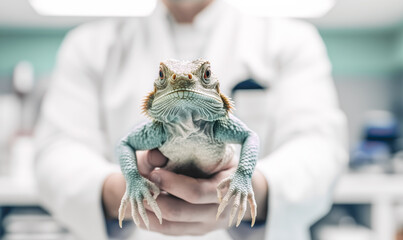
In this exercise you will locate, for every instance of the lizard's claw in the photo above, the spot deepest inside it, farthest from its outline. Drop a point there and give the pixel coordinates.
(239, 186)
(138, 190)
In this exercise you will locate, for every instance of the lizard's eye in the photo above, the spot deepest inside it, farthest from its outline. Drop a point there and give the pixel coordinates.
(161, 74)
(207, 75)
(161, 80)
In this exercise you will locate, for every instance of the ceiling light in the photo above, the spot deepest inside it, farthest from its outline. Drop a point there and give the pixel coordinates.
(284, 8)
(133, 8)
(93, 8)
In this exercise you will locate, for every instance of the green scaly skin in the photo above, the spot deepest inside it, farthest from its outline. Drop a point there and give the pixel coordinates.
(188, 109)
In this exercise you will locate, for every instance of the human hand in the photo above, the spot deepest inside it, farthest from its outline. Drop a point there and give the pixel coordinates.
(190, 205)
(115, 184)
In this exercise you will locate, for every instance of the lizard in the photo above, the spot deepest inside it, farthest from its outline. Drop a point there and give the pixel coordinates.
(191, 123)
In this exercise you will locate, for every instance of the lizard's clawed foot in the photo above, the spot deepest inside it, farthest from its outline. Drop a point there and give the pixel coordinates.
(137, 190)
(239, 186)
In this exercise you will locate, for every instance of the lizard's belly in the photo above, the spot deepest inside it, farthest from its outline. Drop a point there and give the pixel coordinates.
(197, 157)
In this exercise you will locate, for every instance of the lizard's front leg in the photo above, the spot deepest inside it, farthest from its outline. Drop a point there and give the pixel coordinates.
(138, 188)
(239, 184)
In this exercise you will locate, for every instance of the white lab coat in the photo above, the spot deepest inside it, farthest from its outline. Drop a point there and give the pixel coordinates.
(105, 68)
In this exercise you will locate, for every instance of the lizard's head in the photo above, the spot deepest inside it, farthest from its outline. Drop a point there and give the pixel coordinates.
(183, 88)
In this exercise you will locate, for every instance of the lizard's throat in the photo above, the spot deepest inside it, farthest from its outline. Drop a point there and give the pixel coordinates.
(187, 126)
(180, 110)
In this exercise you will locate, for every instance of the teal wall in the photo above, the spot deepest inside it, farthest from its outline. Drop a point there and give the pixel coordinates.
(352, 52)
(39, 46)
(361, 52)
(399, 48)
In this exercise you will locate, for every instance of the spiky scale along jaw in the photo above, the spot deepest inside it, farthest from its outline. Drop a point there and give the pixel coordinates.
(193, 127)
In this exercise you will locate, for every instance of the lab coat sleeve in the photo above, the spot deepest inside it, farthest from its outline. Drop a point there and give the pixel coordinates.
(70, 164)
(308, 147)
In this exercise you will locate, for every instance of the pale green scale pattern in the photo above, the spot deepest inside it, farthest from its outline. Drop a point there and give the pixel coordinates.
(143, 137)
(232, 130)
(146, 136)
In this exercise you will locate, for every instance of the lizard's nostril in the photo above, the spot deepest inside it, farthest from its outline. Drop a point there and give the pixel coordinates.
(190, 76)
(174, 76)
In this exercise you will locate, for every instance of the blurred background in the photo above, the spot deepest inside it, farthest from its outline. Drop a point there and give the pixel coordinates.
(364, 39)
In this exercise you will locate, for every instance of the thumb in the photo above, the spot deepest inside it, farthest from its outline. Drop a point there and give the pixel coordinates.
(149, 160)
(156, 159)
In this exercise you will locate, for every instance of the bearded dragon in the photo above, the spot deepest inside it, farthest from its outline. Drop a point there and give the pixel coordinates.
(191, 124)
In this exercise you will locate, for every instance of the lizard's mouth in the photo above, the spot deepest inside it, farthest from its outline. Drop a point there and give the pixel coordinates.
(185, 93)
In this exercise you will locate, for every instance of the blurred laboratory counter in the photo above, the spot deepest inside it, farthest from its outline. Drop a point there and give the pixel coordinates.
(369, 188)
(17, 187)
(15, 194)
(383, 192)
